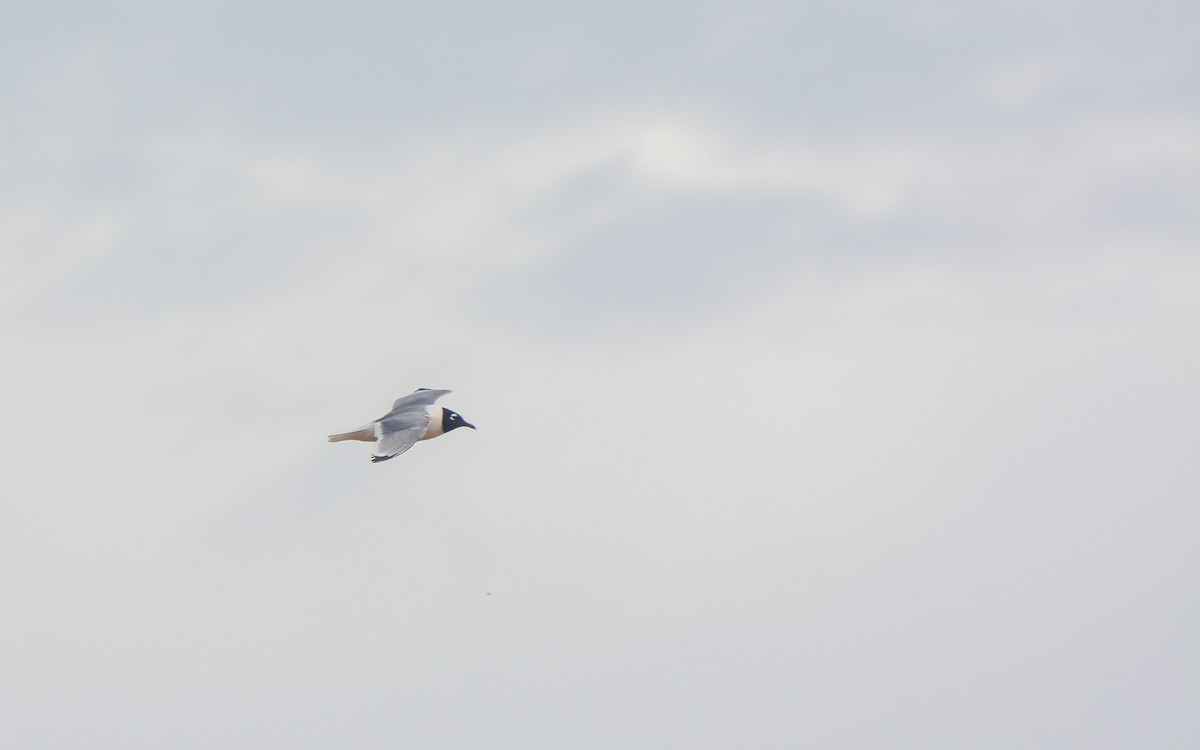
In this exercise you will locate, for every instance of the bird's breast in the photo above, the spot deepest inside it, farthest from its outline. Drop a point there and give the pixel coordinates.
(435, 425)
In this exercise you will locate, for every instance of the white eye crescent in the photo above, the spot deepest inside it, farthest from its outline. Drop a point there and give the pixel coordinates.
(453, 416)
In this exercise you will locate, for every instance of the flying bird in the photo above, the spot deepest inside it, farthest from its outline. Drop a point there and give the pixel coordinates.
(412, 418)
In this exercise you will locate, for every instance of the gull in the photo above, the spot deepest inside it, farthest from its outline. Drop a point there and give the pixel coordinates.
(412, 418)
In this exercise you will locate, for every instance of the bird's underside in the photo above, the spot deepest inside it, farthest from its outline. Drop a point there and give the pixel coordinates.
(365, 434)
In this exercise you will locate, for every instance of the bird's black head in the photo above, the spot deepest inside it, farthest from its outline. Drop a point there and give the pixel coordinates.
(453, 420)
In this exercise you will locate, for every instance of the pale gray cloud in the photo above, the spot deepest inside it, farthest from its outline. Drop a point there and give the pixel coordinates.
(833, 365)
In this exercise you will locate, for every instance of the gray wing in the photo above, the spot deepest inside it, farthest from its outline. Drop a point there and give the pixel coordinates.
(423, 397)
(396, 434)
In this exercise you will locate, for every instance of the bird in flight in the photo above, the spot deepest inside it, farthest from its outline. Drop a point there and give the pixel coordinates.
(412, 418)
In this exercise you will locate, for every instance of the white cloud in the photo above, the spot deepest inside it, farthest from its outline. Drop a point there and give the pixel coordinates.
(869, 182)
(1024, 82)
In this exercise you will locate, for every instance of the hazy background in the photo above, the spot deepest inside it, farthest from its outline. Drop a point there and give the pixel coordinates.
(836, 369)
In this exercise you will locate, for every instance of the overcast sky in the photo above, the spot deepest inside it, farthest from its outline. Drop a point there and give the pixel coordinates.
(836, 369)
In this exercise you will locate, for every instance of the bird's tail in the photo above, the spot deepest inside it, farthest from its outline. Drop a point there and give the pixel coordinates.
(366, 434)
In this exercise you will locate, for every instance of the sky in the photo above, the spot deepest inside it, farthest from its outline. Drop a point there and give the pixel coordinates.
(835, 367)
